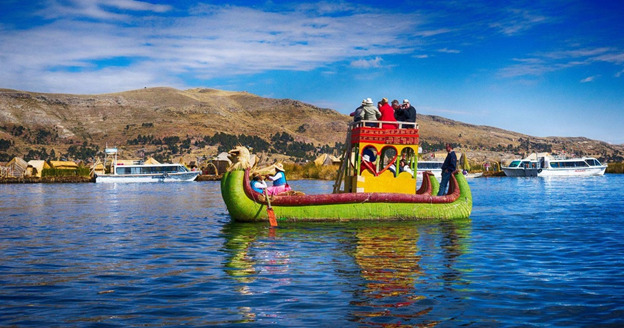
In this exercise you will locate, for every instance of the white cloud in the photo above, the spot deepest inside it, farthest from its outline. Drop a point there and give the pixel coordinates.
(135, 5)
(449, 51)
(515, 21)
(367, 63)
(214, 41)
(588, 79)
(614, 57)
(98, 9)
(542, 63)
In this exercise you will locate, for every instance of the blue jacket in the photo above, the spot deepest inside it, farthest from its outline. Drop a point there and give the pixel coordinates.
(280, 179)
(258, 186)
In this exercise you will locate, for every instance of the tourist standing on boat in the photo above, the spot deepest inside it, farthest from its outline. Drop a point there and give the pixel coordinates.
(387, 114)
(398, 113)
(404, 113)
(279, 181)
(448, 167)
(258, 184)
(370, 112)
(357, 114)
(410, 112)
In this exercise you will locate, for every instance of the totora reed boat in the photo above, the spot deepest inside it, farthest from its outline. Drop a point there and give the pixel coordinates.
(368, 187)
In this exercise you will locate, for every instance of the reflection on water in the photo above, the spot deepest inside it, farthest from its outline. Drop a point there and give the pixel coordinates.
(395, 264)
(389, 262)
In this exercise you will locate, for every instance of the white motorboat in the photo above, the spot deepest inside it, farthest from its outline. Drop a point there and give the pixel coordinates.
(544, 165)
(138, 171)
(521, 168)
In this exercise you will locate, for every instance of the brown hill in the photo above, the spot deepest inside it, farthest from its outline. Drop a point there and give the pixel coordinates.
(30, 120)
(162, 112)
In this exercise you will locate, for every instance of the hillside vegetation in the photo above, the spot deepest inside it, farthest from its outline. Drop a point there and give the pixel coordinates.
(198, 123)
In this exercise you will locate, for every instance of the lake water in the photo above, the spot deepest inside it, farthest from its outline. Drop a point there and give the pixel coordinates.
(535, 253)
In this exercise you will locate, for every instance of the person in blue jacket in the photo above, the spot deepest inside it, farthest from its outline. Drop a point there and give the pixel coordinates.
(258, 184)
(280, 184)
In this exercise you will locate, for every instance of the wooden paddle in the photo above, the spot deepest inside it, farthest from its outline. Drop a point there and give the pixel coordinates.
(270, 212)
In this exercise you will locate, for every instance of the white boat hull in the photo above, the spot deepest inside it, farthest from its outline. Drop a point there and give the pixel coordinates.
(159, 177)
(573, 171)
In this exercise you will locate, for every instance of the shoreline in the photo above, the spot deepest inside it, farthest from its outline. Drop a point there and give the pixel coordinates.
(68, 179)
(80, 179)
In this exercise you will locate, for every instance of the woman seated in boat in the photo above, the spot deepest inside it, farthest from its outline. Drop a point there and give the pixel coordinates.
(280, 184)
(403, 167)
(257, 183)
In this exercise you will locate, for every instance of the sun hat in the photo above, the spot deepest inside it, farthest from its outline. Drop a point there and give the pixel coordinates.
(279, 166)
(369, 101)
(405, 101)
(363, 101)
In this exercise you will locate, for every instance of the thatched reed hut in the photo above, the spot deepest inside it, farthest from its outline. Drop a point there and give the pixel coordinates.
(37, 167)
(16, 168)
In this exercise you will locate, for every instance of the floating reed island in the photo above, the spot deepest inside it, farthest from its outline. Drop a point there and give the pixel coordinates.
(60, 179)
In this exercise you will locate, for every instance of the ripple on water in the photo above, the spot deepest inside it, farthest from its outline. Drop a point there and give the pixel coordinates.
(536, 252)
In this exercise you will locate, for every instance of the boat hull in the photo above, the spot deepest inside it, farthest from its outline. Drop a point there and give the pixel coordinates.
(248, 207)
(520, 172)
(573, 171)
(554, 172)
(160, 177)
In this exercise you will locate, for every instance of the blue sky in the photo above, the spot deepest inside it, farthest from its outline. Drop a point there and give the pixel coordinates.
(544, 68)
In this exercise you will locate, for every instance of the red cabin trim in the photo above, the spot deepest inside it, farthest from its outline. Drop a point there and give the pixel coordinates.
(384, 136)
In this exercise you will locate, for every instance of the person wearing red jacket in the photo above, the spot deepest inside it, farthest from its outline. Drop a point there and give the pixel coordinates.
(387, 114)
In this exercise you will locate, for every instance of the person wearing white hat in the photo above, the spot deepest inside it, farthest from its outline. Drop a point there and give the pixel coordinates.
(279, 181)
(370, 112)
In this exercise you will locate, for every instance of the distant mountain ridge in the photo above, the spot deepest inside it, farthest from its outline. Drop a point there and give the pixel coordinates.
(31, 120)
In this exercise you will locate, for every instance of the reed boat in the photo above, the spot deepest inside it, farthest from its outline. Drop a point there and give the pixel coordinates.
(368, 187)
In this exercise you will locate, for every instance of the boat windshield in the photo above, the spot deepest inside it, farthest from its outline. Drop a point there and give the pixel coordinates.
(593, 162)
(514, 164)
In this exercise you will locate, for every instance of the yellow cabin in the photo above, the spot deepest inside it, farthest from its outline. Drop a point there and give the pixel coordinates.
(380, 159)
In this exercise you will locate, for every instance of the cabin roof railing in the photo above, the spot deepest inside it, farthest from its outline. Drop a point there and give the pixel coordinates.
(378, 124)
